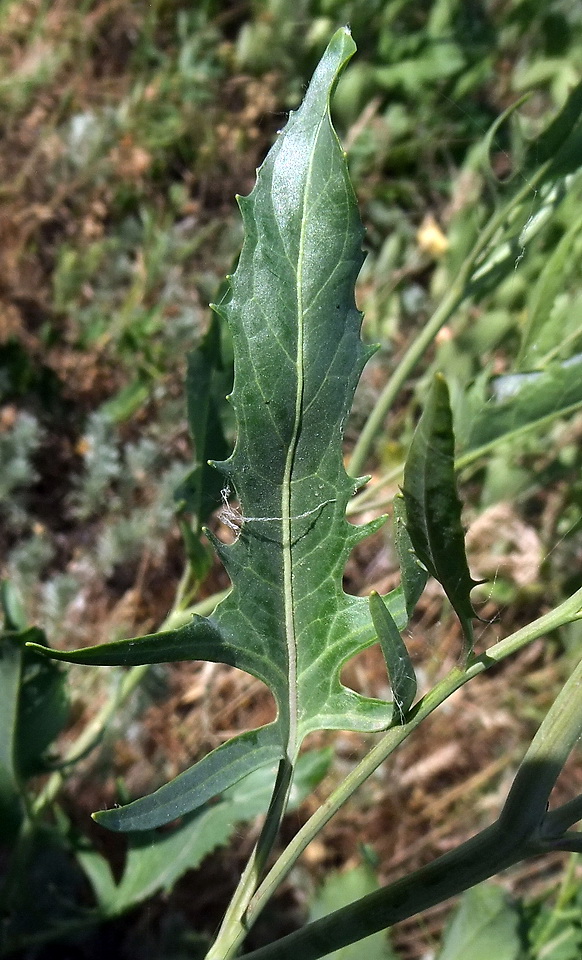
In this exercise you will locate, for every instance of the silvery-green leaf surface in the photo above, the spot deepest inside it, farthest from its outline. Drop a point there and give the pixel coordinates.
(298, 358)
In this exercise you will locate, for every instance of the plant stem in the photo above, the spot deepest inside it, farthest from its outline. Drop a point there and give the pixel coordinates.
(566, 612)
(459, 291)
(519, 832)
(233, 928)
(474, 861)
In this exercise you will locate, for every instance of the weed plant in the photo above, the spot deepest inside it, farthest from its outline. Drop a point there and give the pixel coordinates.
(505, 261)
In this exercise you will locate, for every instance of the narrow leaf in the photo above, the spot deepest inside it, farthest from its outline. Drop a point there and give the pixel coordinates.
(542, 334)
(433, 508)
(518, 402)
(11, 655)
(400, 668)
(207, 384)
(155, 861)
(413, 575)
(218, 770)
(560, 144)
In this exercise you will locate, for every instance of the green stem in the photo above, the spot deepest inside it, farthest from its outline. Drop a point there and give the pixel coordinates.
(474, 861)
(459, 291)
(233, 928)
(566, 612)
(518, 833)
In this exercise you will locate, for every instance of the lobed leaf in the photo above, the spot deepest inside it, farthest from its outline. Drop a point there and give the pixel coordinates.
(433, 508)
(298, 358)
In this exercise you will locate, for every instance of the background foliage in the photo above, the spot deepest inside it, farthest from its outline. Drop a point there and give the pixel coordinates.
(127, 127)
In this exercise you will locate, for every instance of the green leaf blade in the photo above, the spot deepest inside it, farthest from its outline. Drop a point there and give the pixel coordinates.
(298, 357)
(216, 772)
(400, 668)
(433, 508)
(485, 924)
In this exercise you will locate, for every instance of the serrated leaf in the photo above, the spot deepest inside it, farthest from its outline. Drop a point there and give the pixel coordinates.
(433, 508)
(155, 861)
(400, 668)
(484, 926)
(518, 402)
(298, 358)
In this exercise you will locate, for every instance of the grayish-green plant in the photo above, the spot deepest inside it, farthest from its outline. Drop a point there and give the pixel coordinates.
(287, 620)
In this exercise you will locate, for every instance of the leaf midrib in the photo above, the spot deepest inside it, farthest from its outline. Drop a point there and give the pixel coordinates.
(290, 627)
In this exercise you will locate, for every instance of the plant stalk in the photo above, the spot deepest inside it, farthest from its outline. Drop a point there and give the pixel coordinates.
(459, 291)
(517, 834)
(566, 612)
(233, 928)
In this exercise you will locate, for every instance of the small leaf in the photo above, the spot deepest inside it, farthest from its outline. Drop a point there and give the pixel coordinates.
(339, 889)
(191, 789)
(11, 808)
(207, 384)
(559, 146)
(520, 401)
(400, 669)
(43, 710)
(542, 334)
(12, 607)
(155, 861)
(433, 508)
(413, 575)
(485, 926)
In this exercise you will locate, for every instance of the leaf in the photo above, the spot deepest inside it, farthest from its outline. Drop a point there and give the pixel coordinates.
(484, 926)
(11, 809)
(224, 766)
(519, 402)
(400, 668)
(43, 711)
(298, 358)
(433, 508)
(339, 889)
(155, 861)
(33, 710)
(413, 575)
(542, 334)
(560, 144)
(207, 384)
